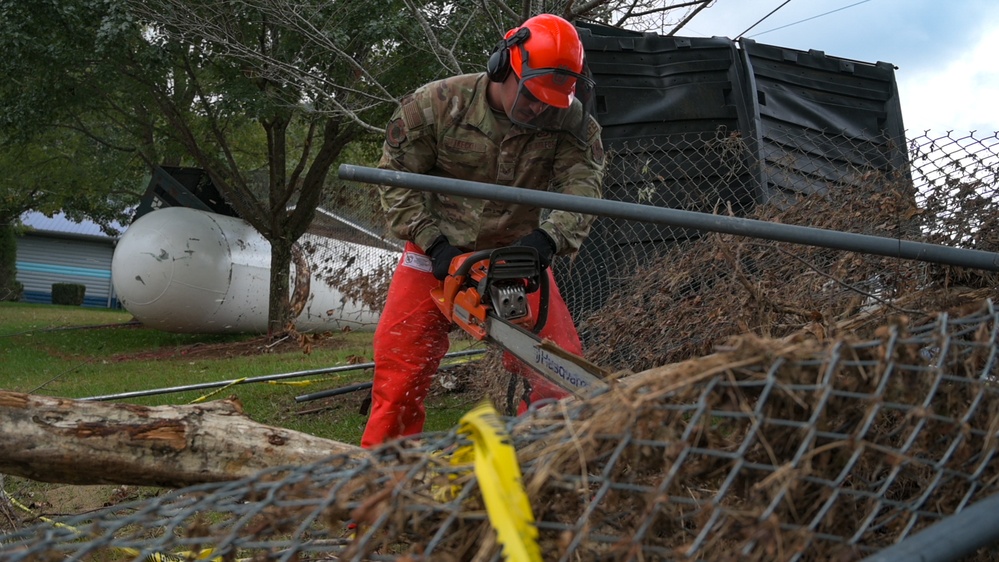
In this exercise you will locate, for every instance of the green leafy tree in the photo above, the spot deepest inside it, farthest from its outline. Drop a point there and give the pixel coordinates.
(125, 78)
(73, 137)
(264, 95)
(264, 71)
(59, 170)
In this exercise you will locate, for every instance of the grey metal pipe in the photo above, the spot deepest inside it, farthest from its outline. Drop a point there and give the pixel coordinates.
(264, 378)
(950, 539)
(848, 241)
(335, 391)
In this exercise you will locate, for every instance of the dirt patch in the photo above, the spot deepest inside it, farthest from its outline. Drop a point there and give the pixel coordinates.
(79, 499)
(37, 501)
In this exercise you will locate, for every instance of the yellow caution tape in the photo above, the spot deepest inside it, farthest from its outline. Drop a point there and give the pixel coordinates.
(499, 477)
(205, 397)
(222, 389)
(178, 557)
(451, 361)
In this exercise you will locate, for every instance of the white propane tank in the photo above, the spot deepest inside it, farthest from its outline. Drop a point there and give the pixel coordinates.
(188, 271)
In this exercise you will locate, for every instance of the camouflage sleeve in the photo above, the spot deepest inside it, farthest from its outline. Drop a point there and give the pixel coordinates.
(579, 170)
(409, 147)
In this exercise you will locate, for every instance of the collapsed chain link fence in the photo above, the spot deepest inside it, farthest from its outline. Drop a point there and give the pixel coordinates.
(767, 450)
(774, 401)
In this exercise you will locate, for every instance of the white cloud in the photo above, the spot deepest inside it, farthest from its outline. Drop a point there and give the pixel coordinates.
(961, 96)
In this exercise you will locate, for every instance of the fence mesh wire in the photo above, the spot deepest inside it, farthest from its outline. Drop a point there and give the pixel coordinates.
(944, 194)
(767, 450)
(775, 402)
(681, 294)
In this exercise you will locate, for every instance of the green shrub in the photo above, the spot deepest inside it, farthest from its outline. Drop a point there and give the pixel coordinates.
(68, 293)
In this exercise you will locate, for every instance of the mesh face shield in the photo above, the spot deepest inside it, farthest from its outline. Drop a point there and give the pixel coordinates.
(553, 99)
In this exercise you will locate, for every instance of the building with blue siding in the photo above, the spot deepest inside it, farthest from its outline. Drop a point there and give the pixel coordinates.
(59, 250)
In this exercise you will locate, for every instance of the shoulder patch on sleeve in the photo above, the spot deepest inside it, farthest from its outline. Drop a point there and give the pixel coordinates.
(597, 149)
(395, 135)
(592, 127)
(411, 113)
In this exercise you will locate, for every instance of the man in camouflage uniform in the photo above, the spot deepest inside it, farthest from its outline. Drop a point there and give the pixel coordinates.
(525, 123)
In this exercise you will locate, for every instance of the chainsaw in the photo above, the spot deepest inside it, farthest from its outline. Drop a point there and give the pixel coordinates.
(485, 294)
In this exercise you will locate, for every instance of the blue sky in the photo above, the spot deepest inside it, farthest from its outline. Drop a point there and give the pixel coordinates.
(946, 51)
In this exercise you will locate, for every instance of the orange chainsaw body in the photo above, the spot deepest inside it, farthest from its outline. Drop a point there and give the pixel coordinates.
(485, 293)
(463, 301)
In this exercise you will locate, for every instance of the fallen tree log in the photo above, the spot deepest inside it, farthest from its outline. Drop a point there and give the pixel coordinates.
(67, 441)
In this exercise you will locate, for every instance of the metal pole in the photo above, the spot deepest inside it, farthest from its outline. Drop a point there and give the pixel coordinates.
(848, 241)
(950, 539)
(366, 385)
(334, 392)
(265, 378)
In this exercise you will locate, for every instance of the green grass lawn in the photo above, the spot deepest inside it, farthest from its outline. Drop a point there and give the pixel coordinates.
(76, 352)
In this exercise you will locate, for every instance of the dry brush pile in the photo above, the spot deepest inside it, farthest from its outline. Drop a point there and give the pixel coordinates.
(775, 402)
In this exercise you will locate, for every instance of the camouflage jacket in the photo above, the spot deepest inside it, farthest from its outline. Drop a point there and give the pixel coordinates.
(446, 128)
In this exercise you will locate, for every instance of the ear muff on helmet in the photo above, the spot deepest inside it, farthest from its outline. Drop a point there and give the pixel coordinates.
(498, 66)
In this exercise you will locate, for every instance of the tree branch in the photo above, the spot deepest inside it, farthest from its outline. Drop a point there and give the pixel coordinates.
(451, 63)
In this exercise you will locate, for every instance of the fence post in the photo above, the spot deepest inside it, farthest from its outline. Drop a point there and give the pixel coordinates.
(950, 539)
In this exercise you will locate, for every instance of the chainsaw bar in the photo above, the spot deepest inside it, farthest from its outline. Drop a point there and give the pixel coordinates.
(567, 370)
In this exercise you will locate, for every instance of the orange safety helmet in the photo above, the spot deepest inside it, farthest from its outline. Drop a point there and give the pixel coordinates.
(550, 54)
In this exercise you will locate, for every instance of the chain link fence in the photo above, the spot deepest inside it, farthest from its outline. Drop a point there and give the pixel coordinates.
(767, 450)
(717, 285)
(774, 401)
(945, 196)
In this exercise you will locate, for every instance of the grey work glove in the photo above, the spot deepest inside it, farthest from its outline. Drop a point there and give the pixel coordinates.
(441, 253)
(540, 241)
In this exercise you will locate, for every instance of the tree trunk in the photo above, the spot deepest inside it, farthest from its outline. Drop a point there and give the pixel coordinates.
(279, 304)
(81, 442)
(8, 262)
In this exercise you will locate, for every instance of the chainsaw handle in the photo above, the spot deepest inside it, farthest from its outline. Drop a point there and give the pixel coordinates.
(542, 303)
(470, 260)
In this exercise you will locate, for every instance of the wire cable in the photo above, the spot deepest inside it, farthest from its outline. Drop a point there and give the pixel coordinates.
(808, 19)
(759, 21)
